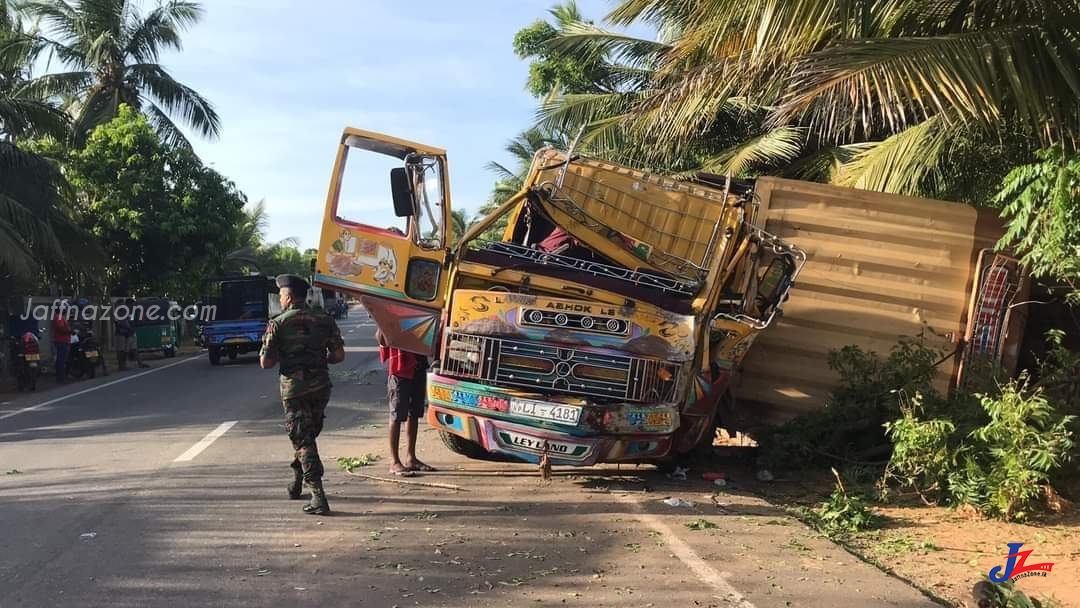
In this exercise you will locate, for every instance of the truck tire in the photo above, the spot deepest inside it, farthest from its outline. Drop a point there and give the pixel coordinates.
(460, 445)
(470, 449)
(215, 355)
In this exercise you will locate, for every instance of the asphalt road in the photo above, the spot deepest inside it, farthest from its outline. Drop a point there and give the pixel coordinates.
(166, 487)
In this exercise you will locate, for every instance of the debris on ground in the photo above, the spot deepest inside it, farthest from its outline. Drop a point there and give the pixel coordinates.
(678, 474)
(677, 502)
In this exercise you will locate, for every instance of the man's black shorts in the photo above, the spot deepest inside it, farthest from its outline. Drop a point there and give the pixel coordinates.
(407, 397)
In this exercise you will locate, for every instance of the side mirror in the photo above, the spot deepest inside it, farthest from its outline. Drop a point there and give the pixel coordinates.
(402, 191)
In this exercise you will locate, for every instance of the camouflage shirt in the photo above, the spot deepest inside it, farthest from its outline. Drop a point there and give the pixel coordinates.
(300, 338)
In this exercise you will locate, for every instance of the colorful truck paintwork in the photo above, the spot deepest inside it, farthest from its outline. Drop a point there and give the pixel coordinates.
(604, 326)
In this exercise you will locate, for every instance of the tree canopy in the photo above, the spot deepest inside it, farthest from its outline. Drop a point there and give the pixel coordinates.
(166, 220)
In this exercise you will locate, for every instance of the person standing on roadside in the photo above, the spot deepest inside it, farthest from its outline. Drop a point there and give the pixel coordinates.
(303, 341)
(61, 342)
(406, 390)
(127, 343)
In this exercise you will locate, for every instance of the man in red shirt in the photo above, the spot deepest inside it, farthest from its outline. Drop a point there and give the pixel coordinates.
(61, 341)
(407, 392)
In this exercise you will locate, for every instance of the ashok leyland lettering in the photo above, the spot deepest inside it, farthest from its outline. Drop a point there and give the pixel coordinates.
(604, 325)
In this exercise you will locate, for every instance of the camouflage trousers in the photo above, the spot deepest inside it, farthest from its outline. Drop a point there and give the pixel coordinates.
(303, 422)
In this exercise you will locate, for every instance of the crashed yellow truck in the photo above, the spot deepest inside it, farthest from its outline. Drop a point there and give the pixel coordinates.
(624, 316)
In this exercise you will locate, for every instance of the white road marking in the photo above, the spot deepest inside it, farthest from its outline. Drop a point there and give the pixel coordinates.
(361, 349)
(205, 442)
(94, 388)
(706, 573)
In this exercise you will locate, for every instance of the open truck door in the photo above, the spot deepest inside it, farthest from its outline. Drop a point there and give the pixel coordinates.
(398, 272)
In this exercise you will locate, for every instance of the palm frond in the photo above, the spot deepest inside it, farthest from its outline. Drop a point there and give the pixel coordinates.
(500, 170)
(30, 179)
(659, 12)
(568, 113)
(176, 98)
(15, 255)
(585, 39)
(166, 128)
(1025, 70)
(822, 164)
(160, 28)
(35, 230)
(769, 149)
(30, 117)
(48, 86)
(58, 15)
(902, 163)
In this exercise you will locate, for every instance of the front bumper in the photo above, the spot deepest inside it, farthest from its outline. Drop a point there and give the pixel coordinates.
(571, 432)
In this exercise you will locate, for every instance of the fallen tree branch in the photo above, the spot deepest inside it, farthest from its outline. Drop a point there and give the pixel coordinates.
(408, 482)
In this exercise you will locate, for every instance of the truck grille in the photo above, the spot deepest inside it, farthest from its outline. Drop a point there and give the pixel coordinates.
(554, 369)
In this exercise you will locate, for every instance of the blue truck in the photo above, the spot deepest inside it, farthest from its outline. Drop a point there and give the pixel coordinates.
(242, 309)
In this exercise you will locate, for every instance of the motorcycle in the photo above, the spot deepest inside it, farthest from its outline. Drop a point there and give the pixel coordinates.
(85, 356)
(26, 356)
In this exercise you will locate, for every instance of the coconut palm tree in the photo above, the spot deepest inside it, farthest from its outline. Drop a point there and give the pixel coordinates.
(111, 52)
(877, 94)
(37, 233)
(252, 250)
(627, 69)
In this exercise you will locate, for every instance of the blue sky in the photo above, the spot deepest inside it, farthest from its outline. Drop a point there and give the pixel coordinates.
(286, 80)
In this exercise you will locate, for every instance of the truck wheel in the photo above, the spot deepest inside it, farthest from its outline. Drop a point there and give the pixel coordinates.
(472, 449)
(215, 355)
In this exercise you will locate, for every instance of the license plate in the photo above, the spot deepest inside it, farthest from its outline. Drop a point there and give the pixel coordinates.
(236, 341)
(33, 357)
(552, 412)
(91, 353)
(33, 364)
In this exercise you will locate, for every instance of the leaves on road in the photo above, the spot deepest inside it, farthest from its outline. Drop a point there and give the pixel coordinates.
(350, 463)
(700, 524)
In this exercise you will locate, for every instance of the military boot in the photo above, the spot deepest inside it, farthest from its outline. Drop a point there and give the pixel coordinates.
(318, 504)
(298, 480)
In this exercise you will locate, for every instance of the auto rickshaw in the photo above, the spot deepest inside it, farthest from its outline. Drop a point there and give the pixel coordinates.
(155, 329)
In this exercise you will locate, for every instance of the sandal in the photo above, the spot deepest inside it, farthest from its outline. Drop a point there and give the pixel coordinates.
(423, 467)
(402, 472)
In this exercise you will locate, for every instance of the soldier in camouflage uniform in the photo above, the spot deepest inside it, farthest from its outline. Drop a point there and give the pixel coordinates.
(303, 341)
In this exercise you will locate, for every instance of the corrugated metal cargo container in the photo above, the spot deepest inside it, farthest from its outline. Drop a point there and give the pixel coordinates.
(879, 267)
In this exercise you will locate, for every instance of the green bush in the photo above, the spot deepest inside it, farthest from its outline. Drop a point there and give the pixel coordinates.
(1000, 467)
(850, 427)
(844, 515)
